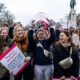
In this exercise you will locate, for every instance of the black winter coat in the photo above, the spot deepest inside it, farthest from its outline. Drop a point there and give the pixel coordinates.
(61, 53)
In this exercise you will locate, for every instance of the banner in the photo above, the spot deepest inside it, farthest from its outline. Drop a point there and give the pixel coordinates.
(14, 60)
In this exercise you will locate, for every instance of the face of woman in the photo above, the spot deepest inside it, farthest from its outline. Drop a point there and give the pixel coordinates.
(4, 33)
(40, 35)
(63, 37)
(19, 32)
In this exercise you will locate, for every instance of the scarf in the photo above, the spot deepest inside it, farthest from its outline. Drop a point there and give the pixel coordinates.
(65, 45)
(22, 43)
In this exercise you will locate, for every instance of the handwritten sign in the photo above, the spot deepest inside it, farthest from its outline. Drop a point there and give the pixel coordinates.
(14, 60)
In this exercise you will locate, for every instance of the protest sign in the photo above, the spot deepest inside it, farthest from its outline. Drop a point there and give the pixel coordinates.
(14, 60)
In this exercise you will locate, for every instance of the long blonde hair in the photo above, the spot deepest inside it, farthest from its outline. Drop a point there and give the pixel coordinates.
(16, 27)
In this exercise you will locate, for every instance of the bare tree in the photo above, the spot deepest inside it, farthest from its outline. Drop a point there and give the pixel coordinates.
(8, 18)
(2, 7)
(5, 15)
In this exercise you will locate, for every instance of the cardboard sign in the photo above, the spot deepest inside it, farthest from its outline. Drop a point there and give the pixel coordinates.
(14, 60)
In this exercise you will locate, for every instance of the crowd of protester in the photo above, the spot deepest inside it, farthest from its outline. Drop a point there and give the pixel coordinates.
(52, 53)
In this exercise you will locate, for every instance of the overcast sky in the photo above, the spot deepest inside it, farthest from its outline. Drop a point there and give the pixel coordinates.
(24, 10)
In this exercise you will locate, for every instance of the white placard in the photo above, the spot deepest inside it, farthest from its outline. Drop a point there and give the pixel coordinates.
(14, 60)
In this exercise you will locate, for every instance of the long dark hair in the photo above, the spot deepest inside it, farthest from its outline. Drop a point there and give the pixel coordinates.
(3, 43)
(66, 32)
